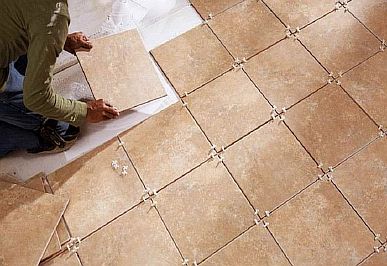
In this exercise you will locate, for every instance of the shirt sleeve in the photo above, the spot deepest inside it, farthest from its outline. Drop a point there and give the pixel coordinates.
(47, 37)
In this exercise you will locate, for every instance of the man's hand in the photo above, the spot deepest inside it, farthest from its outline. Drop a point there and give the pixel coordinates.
(98, 111)
(75, 41)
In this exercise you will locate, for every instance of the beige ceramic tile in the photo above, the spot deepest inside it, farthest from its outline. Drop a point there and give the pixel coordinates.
(298, 13)
(373, 14)
(27, 221)
(136, 238)
(228, 108)
(339, 41)
(192, 59)
(331, 125)
(247, 28)
(286, 73)
(270, 166)
(318, 227)
(367, 84)
(119, 70)
(97, 192)
(376, 260)
(34, 182)
(64, 259)
(207, 7)
(255, 247)
(166, 146)
(204, 210)
(363, 180)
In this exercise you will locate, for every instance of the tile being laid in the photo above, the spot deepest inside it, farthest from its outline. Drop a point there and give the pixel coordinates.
(330, 125)
(286, 73)
(367, 84)
(97, 192)
(207, 7)
(255, 247)
(339, 41)
(136, 238)
(27, 221)
(166, 146)
(192, 59)
(318, 227)
(204, 210)
(228, 108)
(119, 70)
(247, 28)
(362, 179)
(270, 166)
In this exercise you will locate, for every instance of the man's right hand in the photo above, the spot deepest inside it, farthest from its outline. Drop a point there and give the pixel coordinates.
(99, 110)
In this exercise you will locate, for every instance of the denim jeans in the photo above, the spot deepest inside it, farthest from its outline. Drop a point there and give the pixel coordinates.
(18, 126)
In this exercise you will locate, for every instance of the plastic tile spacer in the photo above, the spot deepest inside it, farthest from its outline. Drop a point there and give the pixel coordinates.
(320, 165)
(330, 169)
(115, 165)
(265, 224)
(124, 170)
(267, 213)
(320, 177)
(121, 144)
(186, 94)
(73, 244)
(376, 249)
(377, 237)
(256, 221)
(185, 262)
(184, 104)
(383, 45)
(195, 263)
(154, 204)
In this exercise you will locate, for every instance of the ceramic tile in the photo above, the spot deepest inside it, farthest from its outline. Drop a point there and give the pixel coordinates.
(53, 246)
(300, 12)
(63, 233)
(204, 210)
(331, 125)
(192, 59)
(228, 108)
(367, 84)
(207, 7)
(373, 14)
(64, 259)
(247, 28)
(26, 214)
(255, 247)
(121, 86)
(166, 146)
(376, 260)
(136, 238)
(270, 166)
(339, 41)
(34, 182)
(364, 184)
(97, 192)
(286, 73)
(318, 227)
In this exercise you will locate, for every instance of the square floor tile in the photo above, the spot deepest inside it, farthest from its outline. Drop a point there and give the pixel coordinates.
(286, 73)
(166, 146)
(318, 227)
(363, 180)
(27, 221)
(331, 125)
(376, 260)
(207, 7)
(373, 14)
(136, 238)
(339, 41)
(119, 70)
(367, 84)
(255, 247)
(247, 28)
(65, 259)
(97, 192)
(228, 107)
(270, 166)
(298, 13)
(193, 59)
(204, 210)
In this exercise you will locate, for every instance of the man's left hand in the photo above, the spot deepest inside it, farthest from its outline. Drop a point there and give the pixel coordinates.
(76, 41)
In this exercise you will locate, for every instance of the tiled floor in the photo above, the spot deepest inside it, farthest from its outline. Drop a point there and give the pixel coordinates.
(301, 179)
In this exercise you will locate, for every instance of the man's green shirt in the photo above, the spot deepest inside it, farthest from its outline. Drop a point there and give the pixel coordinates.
(39, 29)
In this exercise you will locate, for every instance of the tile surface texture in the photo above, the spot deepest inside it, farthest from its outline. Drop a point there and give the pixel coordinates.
(339, 41)
(136, 238)
(166, 146)
(65, 259)
(270, 166)
(247, 28)
(331, 125)
(228, 108)
(26, 214)
(367, 84)
(119, 71)
(321, 224)
(204, 210)
(286, 73)
(207, 7)
(97, 192)
(192, 59)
